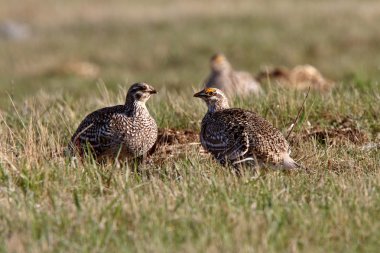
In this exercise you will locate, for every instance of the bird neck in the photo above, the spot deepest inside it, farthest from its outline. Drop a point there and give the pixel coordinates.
(135, 107)
(222, 70)
(218, 106)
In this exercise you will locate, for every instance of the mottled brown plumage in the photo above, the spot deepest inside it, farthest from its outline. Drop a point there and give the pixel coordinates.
(300, 77)
(231, 82)
(123, 131)
(234, 135)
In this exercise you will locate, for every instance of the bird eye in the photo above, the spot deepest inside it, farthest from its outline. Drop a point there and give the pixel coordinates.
(138, 95)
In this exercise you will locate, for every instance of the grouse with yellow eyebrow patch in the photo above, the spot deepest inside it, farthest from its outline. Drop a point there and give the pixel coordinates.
(125, 131)
(234, 135)
(231, 82)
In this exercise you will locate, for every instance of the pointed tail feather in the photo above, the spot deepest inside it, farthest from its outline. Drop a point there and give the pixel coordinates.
(289, 163)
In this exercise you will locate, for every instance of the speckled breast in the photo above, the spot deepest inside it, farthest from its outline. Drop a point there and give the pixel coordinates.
(141, 137)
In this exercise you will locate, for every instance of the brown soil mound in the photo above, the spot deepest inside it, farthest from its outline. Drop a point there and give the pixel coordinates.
(340, 132)
(173, 142)
(167, 136)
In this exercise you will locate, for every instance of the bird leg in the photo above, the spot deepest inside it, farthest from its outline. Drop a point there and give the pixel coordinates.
(244, 160)
(238, 165)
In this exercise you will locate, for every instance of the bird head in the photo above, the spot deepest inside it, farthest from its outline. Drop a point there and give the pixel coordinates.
(214, 98)
(140, 92)
(219, 63)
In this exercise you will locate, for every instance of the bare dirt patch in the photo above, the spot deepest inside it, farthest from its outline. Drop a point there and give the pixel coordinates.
(173, 142)
(339, 132)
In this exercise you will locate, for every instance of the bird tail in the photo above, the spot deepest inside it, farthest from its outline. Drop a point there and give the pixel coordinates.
(289, 163)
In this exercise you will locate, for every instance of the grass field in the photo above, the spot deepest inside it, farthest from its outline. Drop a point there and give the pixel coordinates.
(188, 203)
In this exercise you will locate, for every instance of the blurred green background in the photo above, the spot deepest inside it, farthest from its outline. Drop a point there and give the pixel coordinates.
(70, 46)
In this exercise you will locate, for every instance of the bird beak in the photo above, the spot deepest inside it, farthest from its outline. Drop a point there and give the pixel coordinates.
(152, 90)
(200, 94)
